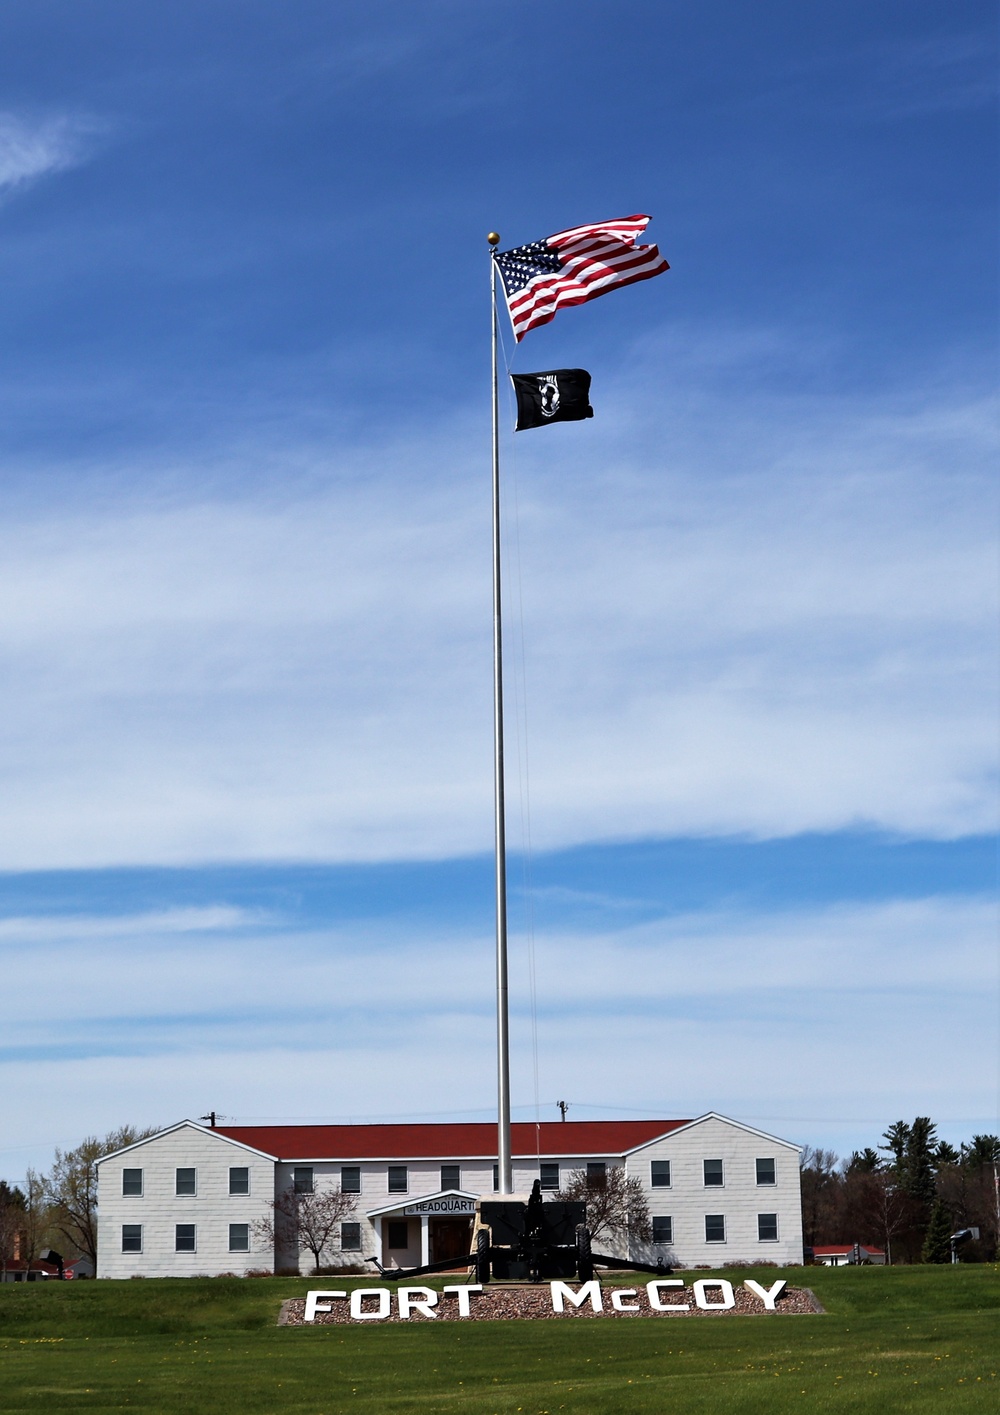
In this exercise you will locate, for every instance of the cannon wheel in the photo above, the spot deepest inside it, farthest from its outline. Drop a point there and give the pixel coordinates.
(584, 1257)
(483, 1255)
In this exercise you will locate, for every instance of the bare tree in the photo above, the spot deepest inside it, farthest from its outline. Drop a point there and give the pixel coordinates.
(616, 1204)
(36, 1219)
(306, 1220)
(886, 1208)
(821, 1196)
(71, 1186)
(11, 1222)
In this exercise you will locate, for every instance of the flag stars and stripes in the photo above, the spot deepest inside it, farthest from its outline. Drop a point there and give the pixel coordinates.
(572, 267)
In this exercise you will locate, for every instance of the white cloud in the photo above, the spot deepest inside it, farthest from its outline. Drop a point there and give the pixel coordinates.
(760, 615)
(31, 148)
(848, 1015)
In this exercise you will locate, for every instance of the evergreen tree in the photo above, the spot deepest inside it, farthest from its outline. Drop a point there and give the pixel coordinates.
(937, 1247)
(897, 1137)
(918, 1176)
(864, 1161)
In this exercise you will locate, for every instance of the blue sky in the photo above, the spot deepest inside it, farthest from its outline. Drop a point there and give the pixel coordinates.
(244, 580)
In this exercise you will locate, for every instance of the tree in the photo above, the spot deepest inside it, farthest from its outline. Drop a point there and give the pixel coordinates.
(616, 1204)
(71, 1186)
(864, 1161)
(937, 1247)
(884, 1209)
(821, 1196)
(897, 1137)
(945, 1154)
(36, 1219)
(984, 1149)
(12, 1204)
(918, 1166)
(306, 1220)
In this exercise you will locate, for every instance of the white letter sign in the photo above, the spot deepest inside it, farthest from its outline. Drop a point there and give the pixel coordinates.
(463, 1290)
(591, 1290)
(653, 1293)
(384, 1303)
(618, 1299)
(726, 1288)
(768, 1295)
(410, 1302)
(314, 1304)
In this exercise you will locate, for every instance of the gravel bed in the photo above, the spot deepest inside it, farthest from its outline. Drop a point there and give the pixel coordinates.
(501, 1303)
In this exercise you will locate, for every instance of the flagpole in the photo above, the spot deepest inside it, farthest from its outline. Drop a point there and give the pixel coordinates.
(505, 1175)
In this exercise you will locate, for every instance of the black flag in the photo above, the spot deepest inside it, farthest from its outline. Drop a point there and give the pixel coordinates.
(562, 396)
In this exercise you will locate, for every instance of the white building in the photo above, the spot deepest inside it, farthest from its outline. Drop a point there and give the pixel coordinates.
(186, 1202)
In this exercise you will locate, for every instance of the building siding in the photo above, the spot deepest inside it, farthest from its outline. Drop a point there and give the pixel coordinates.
(159, 1209)
(213, 1209)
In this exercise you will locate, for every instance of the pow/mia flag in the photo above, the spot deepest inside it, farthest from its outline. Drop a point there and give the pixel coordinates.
(562, 396)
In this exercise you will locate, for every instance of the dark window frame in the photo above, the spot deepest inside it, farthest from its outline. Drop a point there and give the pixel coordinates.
(348, 1174)
(239, 1248)
(713, 1183)
(717, 1221)
(178, 1239)
(239, 1169)
(131, 1237)
(659, 1174)
(397, 1179)
(665, 1223)
(393, 1232)
(350, 1237)
(185, 1193)
(301, 1184)
(766, 1183)
(547, 1171)
(452, 1169)
(772, 1223)
(132, 1193)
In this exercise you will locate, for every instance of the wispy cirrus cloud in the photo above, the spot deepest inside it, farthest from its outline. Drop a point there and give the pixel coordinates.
(35, 147)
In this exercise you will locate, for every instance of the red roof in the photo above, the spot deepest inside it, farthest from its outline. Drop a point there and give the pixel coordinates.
(831, 1250)
(572, 1138)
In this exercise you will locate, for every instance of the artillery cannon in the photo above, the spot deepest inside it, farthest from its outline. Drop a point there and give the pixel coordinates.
(533, 1240)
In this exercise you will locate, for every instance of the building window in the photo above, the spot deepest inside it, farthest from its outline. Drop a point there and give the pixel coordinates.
(496, 1179)
(350, 1237)
(713, 1174)
(184, 1238)
(186, 1183)
(715, 1228)
(302, 1179)
(239, 1238)
(239, 1180)
(767, 1228)
(131, 1237)
(597, 1172)
(350, 1179)
(132, 1183)
(765, 1172)
(398, 1235)
(397, 1179)
(451, 1176)
(659, 1174)
(548, 1173)
(663, 1229)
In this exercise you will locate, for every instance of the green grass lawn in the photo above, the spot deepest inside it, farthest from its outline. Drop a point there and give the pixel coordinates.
(902, 1339)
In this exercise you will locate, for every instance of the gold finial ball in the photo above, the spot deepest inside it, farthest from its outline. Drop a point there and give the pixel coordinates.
(494, 238)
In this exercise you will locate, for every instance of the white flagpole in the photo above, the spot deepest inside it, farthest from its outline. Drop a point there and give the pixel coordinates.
(505, 1172)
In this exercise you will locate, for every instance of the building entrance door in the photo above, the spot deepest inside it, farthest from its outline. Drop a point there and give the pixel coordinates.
(450, 1238)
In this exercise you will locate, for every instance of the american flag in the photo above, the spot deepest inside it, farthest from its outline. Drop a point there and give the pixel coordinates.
(572, 267)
